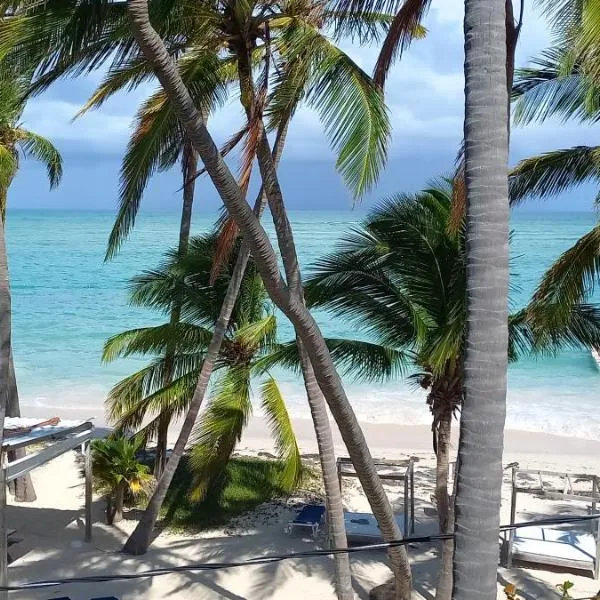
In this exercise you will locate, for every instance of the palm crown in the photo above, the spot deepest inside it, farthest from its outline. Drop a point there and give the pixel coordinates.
(401, 278)
(563, 83)
(284, 43)
(250, 337)
(15, 139)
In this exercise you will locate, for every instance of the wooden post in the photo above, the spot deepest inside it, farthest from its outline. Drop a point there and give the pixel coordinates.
(595, 493)
(597, 557)
(3, 529)
(412, 495)
(88, 490)
(513, 516)
(406, 532)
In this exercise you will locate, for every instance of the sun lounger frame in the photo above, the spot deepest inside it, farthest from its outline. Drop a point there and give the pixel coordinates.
(57, 440)
(565, 493)
(345, 468)
(313, 526)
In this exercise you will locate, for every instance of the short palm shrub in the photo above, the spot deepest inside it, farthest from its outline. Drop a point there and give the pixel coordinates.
(118, 472)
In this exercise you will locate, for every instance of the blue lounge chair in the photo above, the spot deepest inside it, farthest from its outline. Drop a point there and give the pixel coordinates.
(311, 516)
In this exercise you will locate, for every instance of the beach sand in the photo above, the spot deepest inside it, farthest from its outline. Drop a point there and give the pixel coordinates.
(53, 547)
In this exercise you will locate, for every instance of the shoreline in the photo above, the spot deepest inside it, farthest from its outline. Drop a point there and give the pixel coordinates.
(389, 439)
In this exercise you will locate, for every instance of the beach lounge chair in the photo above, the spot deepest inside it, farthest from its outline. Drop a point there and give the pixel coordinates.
(310, 516)
(362, 528)
(566, 546)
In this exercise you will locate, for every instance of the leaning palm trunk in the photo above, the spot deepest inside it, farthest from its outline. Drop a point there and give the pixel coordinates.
(327, 377)
(139, 540)
(479, 478)
(265, 259)
(335, 509)
(189, 165)
(333, 493)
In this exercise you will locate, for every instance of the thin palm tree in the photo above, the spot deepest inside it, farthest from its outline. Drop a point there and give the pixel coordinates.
(104, 38)
(250, 337)
(17, 141)
(479, 476)
(401, 280)
(303, 77)
(154, 50)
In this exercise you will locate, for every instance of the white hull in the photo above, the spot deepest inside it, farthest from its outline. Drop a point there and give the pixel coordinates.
(596, 354)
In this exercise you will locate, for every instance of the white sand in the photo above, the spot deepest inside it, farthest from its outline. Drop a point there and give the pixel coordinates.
(52, 531)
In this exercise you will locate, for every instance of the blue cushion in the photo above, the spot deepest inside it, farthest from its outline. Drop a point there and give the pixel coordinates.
(311, 513)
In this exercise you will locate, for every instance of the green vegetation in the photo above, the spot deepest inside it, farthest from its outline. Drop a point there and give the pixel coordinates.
(117, 472)
(140, 401)
(245, 484)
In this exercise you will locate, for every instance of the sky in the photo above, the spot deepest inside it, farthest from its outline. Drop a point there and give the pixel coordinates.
(424, 93)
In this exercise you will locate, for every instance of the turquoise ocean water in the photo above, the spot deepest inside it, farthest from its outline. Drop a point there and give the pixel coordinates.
(67, 301)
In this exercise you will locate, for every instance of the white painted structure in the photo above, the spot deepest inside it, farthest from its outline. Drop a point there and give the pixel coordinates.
(53, 441)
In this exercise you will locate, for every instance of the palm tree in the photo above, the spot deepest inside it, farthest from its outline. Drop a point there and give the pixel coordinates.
(100, 35)
(266, 260)
(479, 476)
(249, 339)
(300, 77)
(117, 472)
(15, 141)
(401, 279)
(563, 83)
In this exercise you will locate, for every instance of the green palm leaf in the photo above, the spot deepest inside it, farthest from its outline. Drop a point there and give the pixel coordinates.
(44, 151)
(349, 103)
(9, 164)
(572, 277)
(366, 361)
(282, 431)
(155, 340)
(220, 428)
(554, 172)
(258, 333)
(550, 89)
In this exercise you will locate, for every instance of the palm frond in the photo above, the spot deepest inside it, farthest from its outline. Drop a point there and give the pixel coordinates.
(547, 89)
(257, 332)
(553, 172)
(9, 164)
(181, 336)
(137, 398)
(126, 76)
(157, 140)
(405, 27)
(572, 278)
(365, 27)
(44, 151)
(282, 431)
(220, 428)
(349, 103)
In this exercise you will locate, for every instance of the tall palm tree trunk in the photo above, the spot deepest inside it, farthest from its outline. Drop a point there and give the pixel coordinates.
(479, 478)
(189, 165)
(333, 493)
(328, 379)
(335, 509)
(140, 539)
(5, 341)
(22, 488)
(265, 259)
(444, 505)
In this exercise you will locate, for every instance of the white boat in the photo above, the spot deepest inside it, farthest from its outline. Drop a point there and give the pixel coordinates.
(596, 355)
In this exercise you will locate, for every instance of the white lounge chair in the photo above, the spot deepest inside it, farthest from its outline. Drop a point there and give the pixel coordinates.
(362, 528)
